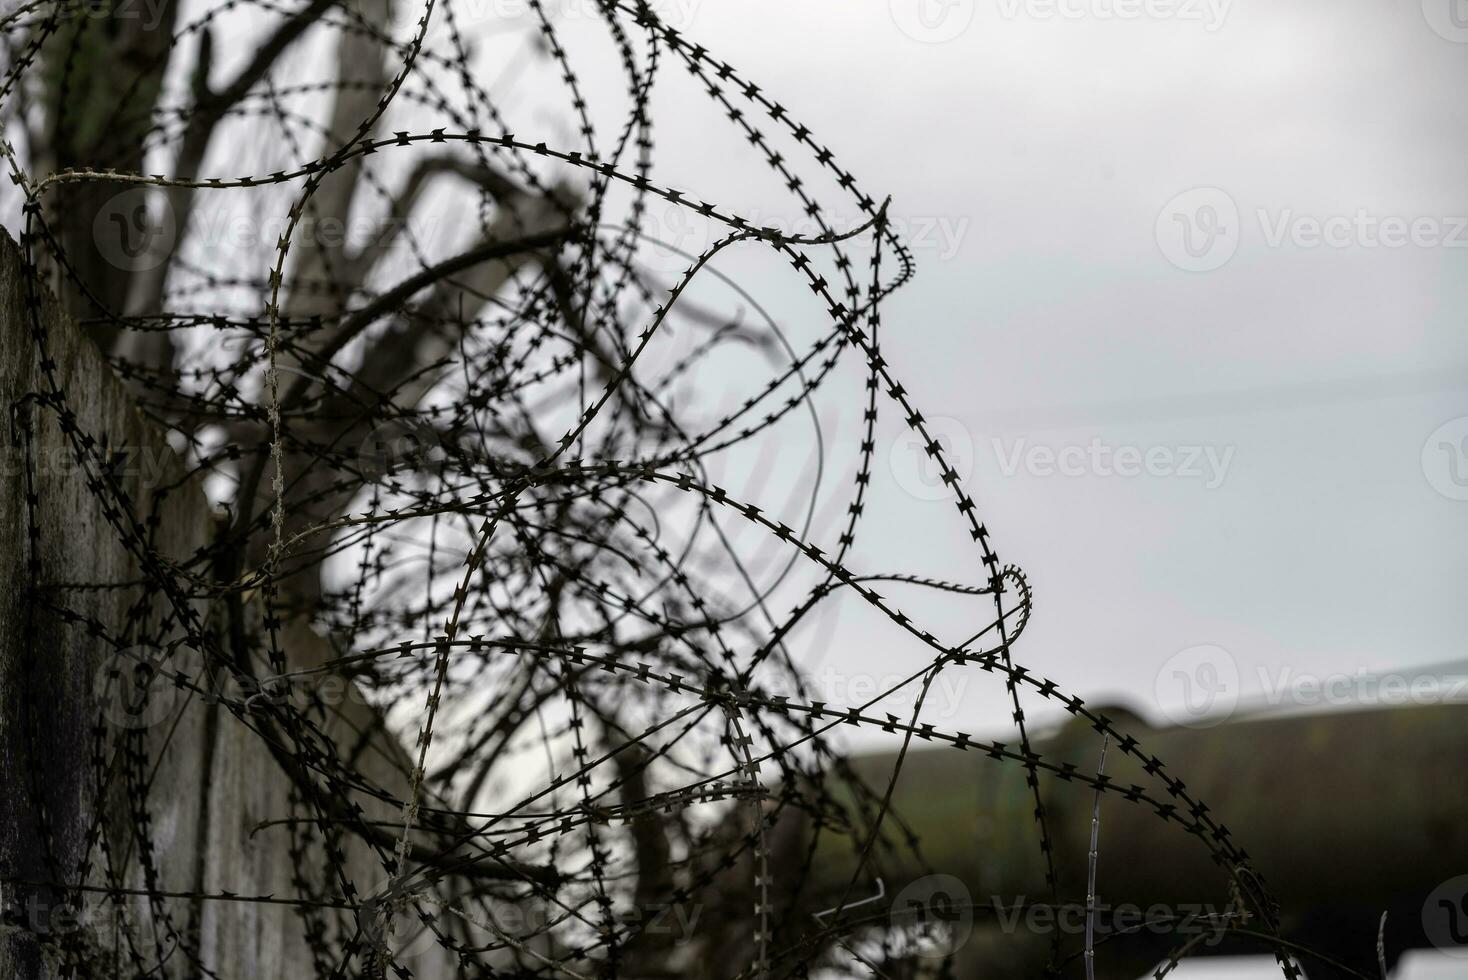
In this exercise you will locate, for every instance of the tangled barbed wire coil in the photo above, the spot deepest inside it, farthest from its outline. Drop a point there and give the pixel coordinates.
(511, 463)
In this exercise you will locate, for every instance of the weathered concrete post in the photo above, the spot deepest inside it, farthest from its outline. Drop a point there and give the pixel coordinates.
(168, 800)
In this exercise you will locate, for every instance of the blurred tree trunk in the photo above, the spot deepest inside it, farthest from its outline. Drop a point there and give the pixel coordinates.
(102, 76)
(102, 84)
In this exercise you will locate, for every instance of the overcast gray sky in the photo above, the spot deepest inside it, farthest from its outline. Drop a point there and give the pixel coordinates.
(1274, 396)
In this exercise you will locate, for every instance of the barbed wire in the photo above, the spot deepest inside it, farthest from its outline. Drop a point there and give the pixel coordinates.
(484, 464)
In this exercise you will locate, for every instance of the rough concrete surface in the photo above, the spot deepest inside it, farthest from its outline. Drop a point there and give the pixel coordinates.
(206, 780)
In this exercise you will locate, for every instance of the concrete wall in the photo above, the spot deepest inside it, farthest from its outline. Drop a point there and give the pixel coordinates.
(186, 782)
